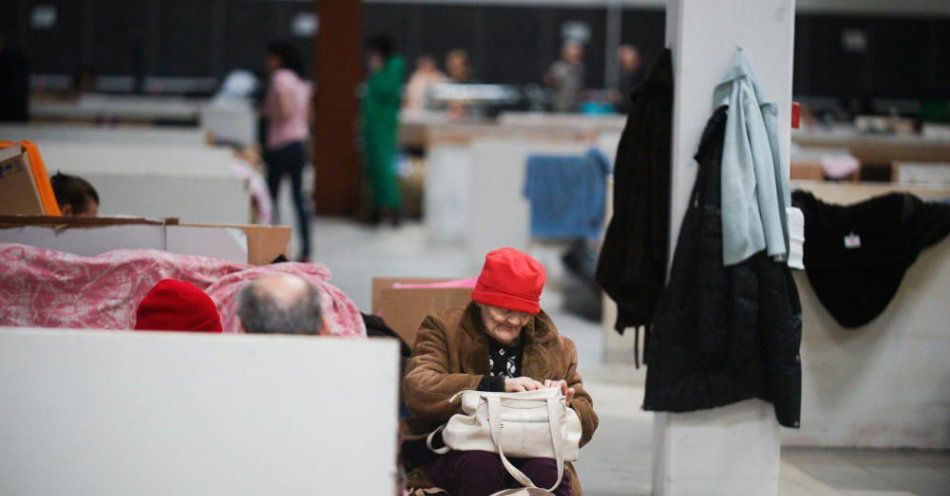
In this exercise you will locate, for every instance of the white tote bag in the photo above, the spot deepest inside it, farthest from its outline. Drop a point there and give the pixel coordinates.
(531, 424)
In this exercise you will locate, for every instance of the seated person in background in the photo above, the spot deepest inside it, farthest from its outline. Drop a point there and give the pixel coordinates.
(75, 196)
(280, 304)
(174, 305)
(500, 341)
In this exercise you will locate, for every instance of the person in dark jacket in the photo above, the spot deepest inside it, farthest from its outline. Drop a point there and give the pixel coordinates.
(632, 264)
(722, 334)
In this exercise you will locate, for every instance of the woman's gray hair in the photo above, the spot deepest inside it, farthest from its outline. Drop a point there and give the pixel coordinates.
(263, 313)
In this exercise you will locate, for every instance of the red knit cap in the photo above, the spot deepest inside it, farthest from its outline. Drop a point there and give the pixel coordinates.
(174, 305)
(512, 280)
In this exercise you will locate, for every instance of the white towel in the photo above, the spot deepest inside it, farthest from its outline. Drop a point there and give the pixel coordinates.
(796, 237)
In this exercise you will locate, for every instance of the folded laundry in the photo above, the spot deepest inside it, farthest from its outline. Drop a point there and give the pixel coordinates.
(839, 166)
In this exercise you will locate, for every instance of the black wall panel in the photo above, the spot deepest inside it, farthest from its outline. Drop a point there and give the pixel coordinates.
(831, 69)
(905, 57)
(514, 52)
(645, 29)
(57, 49)
(398, 21)
(118, 36)
(248, 26)
(184, 43)
(900, 62)
(446, 28)
(939, 84)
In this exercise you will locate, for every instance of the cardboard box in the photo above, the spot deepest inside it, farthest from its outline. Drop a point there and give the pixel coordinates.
(807, 170)
(405, 309)
(17, 186)
(264, 243)
(25, 187)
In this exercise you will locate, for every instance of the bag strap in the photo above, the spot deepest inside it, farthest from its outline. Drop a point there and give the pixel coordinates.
(441, 451)
(494, 405)
(444, 449)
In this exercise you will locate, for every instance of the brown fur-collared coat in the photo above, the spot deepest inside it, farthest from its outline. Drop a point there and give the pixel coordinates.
(451, 355)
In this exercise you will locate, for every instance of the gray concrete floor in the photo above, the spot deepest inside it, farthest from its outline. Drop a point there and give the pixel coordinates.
(617, 462)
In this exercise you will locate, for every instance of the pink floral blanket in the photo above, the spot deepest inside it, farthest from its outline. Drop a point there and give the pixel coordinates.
(47, 288)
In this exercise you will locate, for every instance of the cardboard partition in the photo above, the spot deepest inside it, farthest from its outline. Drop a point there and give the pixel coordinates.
(845, 193)
(251, 244)
(160, 413)
(24, 185)
(809, 170)
(404, 309)
(264, 243)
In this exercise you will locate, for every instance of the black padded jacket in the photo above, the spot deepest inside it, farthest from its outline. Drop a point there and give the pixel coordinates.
(722, 334)
(632, 264)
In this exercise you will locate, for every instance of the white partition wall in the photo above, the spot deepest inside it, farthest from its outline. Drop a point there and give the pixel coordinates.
(734, 450)
(500, 213)
(448, 191)
(886, 384)
(121, 413)
(192, 182)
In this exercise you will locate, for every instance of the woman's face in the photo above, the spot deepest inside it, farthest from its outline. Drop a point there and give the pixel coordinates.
(503, 325)
(455, 65)
(272, 62)
(376, 62)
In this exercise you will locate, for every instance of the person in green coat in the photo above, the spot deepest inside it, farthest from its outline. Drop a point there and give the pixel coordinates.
(381, 103)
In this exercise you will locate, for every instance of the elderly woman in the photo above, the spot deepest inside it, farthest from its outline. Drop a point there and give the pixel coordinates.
(501, 341)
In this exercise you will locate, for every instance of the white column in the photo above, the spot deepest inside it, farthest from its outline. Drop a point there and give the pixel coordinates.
(732, 450)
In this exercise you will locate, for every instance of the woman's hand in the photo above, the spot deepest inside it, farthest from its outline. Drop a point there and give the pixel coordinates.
(521, 384)
(568, 392)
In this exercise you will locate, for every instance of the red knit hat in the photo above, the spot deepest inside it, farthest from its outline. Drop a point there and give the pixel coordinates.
(174, 305)
(510, 279)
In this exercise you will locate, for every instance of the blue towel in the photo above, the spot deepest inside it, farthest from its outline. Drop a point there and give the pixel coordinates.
(567, 194)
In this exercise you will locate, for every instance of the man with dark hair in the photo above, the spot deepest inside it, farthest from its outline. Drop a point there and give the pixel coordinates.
(280, 304)
(75, 196)
(286, 57)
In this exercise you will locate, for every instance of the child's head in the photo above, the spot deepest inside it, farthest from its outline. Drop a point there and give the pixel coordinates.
(75, 196)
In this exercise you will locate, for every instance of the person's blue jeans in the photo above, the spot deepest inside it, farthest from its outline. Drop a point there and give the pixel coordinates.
(290, 160)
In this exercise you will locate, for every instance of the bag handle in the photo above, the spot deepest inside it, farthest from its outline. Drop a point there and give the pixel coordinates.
(441, 451)
(444, 449)
(494, 405)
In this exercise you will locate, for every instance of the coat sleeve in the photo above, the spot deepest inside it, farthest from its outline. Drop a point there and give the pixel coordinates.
(429, 384)
(582, 402)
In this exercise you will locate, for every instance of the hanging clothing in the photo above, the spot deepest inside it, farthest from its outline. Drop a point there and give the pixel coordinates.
(380, 116)
(755, 172)
(567, 194)
(856, 255)
(722, 334)
(632, 264)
